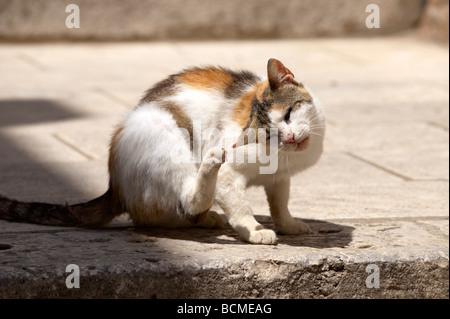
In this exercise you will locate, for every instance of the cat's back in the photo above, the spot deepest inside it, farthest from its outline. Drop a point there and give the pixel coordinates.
(199, 83)
(206, 95)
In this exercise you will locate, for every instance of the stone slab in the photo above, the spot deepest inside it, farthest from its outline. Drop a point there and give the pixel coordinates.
(127, 262)
(379, 195)
(414, 151)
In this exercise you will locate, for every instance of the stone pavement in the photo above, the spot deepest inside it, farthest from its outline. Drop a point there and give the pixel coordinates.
(377, 201)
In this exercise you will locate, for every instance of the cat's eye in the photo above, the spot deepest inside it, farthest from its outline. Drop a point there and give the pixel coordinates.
(287, 116)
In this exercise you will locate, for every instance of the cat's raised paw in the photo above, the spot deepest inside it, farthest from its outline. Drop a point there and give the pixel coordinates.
(263, 236)
(296, 227)
(215, 155)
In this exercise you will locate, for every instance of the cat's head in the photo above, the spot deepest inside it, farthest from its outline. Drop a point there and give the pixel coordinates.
(285, 104)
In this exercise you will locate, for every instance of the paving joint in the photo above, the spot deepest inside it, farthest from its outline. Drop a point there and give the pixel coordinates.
(380, 167)
(378, 196)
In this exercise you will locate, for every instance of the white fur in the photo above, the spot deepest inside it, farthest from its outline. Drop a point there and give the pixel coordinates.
(148, 176)
(147, 138)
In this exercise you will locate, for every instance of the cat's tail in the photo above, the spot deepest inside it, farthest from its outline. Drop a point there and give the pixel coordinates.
(95, 213)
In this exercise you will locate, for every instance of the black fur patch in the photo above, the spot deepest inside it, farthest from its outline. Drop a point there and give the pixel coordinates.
(160, 90)
(260, 111)
(241, 81)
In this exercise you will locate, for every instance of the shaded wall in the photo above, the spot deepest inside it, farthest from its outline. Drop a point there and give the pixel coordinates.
(202, 19)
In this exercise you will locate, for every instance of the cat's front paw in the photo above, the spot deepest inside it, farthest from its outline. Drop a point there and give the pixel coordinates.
(215, 156)
(295, 227)
(263, 236)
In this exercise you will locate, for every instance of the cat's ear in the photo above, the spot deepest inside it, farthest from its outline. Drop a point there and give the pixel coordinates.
(278, 74)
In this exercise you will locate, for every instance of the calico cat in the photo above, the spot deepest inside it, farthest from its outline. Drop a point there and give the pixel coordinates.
(150, 182)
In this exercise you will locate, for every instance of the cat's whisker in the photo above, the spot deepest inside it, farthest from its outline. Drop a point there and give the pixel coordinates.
(310, 121)
(321, 127)
(316, 133)
(323, 136)
(317, 125)
(287, 163)
(276, 154)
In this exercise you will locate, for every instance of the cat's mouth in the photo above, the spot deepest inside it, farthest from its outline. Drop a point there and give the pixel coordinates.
(298, 146)
(303, 144)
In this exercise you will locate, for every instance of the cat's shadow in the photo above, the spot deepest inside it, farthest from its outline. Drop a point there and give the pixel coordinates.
(325, 234)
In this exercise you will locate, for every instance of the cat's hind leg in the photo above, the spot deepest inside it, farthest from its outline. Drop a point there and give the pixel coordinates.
(160, 187)
(212, 220)
(198, 193)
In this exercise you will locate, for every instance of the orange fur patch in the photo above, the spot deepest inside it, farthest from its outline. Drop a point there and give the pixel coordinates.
(243, 107)
(260, 88)
(211, 78)
(278, 107)
(113, 147)
(114, 187)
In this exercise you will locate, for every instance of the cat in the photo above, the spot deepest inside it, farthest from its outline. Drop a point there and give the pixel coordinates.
(156, 188)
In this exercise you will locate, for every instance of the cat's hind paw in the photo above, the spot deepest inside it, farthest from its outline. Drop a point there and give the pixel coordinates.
(213, 220)
(215, 156)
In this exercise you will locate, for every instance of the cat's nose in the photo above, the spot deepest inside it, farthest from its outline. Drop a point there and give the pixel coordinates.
(289, 138)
